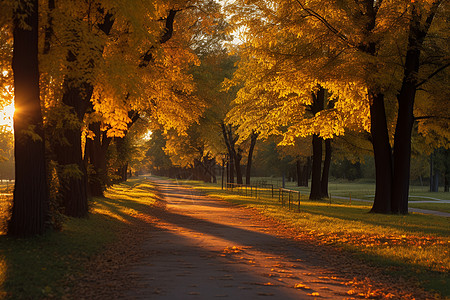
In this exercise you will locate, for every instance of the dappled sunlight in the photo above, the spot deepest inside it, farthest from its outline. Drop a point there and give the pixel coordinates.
(102, 209)
(256, 251)
(5, 206)
(421, 241)
(123, 202)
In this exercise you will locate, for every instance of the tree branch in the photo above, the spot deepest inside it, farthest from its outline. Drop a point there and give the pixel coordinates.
(433, 74)
(314, 14)
(168, 32)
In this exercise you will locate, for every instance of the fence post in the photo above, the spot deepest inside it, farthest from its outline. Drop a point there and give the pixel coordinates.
(272, 190)
(282, 197)
(350, 196)
(289, 200)
(279, 195)
(299, 196)
(256, 191)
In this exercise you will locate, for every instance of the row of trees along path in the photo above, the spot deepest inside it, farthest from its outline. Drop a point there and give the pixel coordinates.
(318, 74)
(72, 100)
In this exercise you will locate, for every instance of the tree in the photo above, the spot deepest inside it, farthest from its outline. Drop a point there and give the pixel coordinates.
(356, 51)
(30, 198)
(421, 19)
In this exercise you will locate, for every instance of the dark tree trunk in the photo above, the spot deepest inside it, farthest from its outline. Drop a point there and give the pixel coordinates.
(382, 155)
(307, 169)
(326, 169)
(122, 173)
(303, 172)
(405, 118)
(76, 98)
(230, 147)
(431, 173)
(316, 168)
(317, 105)
(72, 174)
(253, 138)
(30, 200)
(96, 151)
(446, 181)
(402, 150)
(237, 165)
(299, 169)
(68, 152)
(122, 146)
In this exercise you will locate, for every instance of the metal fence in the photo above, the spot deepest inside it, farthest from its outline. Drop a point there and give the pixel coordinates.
(289, 198)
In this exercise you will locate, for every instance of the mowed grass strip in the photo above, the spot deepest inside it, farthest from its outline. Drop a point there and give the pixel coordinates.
(414, 246)
(38, 267)
(360, 189)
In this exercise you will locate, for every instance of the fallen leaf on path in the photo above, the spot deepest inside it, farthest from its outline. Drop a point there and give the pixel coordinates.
(301, 286)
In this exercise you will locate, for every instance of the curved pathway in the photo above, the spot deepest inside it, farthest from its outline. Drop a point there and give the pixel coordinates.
(203, 248)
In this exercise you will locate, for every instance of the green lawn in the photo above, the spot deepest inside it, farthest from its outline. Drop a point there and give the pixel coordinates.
(366, 191)
(38, 267)
(414, 246)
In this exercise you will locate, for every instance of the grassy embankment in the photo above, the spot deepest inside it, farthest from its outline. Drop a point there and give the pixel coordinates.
(38, 267)
(414, 246)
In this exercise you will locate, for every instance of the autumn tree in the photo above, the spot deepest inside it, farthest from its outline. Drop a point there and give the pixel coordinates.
(352, 50)
(30, 191)
(165, 96)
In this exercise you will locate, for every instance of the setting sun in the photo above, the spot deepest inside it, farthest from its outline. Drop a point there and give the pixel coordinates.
(6, 115)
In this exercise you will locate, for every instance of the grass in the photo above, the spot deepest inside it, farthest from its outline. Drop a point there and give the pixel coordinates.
(39, 267)
(366, 191)
(414, 246)
(444, 207)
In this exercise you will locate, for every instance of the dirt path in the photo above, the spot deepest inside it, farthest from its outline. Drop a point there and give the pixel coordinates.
(202, 248)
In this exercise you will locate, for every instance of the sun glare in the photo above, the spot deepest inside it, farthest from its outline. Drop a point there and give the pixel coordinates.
(6, 116)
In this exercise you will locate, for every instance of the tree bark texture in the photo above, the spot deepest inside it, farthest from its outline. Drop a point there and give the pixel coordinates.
(317, 106)
(326, 169)
(76, 97)
(405, 118)
(316, 168)
(237, 165)
(30, 200)
(382, 155)
(248, 170)
(96, 151)
(229, 142)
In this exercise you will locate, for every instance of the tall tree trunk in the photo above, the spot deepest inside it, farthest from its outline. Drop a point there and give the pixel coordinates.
(237, 165)
(96, 149)
(307, 169)
(402, 151)
(253, 138)
(405, 119)
(230, 168)
(76, 98)
(69, 154)
(303, 172)
(30, 200)
(230, 147)
(431, 173)
(317, 105)
(382, 155)
(316, 168)
(326, 169)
